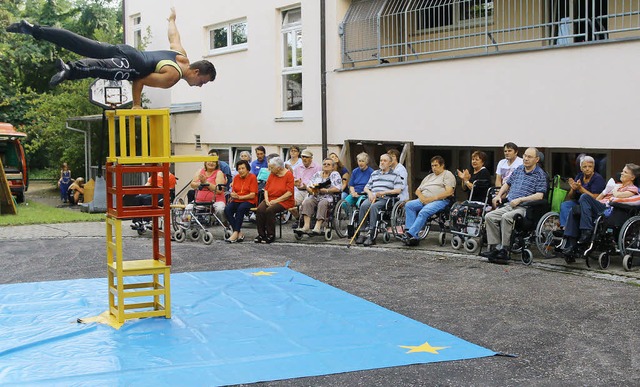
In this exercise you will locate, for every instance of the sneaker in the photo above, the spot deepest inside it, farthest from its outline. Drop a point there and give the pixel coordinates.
(258, 239)
(360, 239)
(369, 242)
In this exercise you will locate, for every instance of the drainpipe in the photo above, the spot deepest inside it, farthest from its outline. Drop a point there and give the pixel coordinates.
(323, 77)
(87, 150)
(124, 19)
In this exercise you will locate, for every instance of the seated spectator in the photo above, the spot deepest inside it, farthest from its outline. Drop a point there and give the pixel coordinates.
(433, 196)
(381, 184)
(301, 175)
(507, 165)
(401, 171)
(320, 198)
(587, 181)
(359, 178)
(467, 179)
(206, 184)
(260, 161)
(76, 191)
(278, 197)
(294, 158)
(246, 156)
(343, 171)
(527, 183)
(145, 199)
(244, 196)
(590, 208)
(224, 167)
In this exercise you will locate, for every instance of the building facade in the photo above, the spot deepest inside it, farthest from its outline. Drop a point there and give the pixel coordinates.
(426, 77)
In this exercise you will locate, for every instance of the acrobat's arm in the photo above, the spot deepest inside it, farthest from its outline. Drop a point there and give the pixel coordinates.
(166, 78)
(174, 36)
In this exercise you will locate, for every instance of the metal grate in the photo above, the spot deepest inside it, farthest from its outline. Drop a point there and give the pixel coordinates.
(383, 31)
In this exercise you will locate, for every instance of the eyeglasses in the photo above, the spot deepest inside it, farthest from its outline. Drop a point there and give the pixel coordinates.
(327, 164)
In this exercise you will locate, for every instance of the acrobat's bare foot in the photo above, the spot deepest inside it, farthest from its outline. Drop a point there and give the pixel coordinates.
(61, 75)
(22, 27)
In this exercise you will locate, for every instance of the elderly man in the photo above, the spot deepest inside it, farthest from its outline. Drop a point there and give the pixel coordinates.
(433, 196)
(527, 183)
(302, 174)
(381, 184)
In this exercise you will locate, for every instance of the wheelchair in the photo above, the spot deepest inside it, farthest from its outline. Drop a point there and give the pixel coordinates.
(467, 221)
(193, 221)
(345, 215)
(383, 218)
(329, 225)
(142, 225)
(614, 234)
(441, 218)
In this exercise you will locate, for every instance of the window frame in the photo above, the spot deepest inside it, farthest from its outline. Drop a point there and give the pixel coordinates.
(230, 47)
(458, 21)
(136, 30)
(287, 28)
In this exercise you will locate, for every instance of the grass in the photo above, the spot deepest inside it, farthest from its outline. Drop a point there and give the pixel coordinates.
(38, 213)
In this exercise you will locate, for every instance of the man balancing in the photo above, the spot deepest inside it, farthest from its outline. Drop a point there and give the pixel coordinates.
(161, 69)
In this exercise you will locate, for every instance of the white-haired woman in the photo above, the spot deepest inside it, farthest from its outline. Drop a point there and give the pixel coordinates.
(587, 181)
(278, 197)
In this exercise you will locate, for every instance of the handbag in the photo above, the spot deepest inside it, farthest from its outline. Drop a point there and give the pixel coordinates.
(558, 195)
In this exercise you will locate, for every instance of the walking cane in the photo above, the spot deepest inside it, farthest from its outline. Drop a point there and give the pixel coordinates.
(364, 218)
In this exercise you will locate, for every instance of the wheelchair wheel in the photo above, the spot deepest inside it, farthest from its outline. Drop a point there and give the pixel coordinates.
(603, 260)
(193, 234)
(456, 242)
(527, 257)
(328, 235)
(179, 236)
(386, 236)
(545, 240)
(629, 238)
(471, 246)
(342, 218)
(207, 238)
(627, 262)
(442, 238)
(397, 219)
(227, 233)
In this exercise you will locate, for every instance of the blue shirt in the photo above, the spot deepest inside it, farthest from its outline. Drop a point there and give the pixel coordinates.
(595, 185)
(224, 167)
(257, 165)
(522, 183)
(359, 178)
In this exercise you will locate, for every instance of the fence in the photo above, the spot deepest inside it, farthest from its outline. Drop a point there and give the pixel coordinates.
(386, 31)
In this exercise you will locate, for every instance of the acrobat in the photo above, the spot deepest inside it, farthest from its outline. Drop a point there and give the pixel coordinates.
(161, 69)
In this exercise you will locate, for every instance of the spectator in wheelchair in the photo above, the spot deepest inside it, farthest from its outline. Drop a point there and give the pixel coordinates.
(587, 181)
(343, 171)
(507, 165)
(381, 184)
(581, 226)
(278, 197)
(209, 185)
(320, 198)
(401, 171)
(301, 176)
(294, 158)
(433, 194)
(359, 178)
(480, 174)
(244, 196)
(527, 183)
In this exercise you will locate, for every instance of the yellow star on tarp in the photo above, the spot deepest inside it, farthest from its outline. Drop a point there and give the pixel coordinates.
(263, 273)
(426, 347)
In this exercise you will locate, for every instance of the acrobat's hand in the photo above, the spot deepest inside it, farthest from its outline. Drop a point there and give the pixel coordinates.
(172, 15)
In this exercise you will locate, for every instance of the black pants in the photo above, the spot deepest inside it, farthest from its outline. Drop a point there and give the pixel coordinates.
(104, 60)
(266, 218)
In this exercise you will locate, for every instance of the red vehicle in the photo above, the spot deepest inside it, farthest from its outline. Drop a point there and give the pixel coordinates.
(14, 160)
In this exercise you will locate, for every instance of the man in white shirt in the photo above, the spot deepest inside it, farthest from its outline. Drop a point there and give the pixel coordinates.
(507, 165)
(401, 171)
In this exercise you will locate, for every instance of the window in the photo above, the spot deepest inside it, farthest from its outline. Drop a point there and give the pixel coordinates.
(229, 36)
(292, 62)
(236, 153)
(136, 21)
(197, 142)
(450, 13)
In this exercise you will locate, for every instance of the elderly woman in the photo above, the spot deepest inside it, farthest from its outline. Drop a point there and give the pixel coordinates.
(587, 181)
(591, 208)
(467, 179)
(278, 197)
(244, 195)
(320, 198)
(209, 184)
(344, 173)
(294, 158)
(359, 178)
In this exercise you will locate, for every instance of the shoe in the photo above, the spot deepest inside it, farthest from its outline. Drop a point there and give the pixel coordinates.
(413, 241)
(585, 237)
(240, 239)
(61, 75)
(269, 239)
(314, 233)
(22, 27)
(360, 239)
(258, 239)
(501, 257)
(489, 253)
(559, 233)
(568, 249)
(369, 242)
(405, 237)
(302, 231)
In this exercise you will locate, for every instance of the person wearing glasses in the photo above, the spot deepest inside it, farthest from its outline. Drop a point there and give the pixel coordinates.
(319, 199)
(301, 176)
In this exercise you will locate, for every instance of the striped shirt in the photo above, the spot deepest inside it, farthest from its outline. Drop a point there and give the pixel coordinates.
(380, 182)
(522, 183)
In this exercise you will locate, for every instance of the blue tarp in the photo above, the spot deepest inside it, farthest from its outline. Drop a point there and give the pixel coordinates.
(228, 327)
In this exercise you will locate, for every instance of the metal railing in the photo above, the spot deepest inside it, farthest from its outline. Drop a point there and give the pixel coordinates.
(385, 31)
